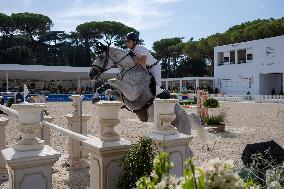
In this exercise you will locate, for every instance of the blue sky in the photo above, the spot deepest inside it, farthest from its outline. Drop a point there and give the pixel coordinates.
(155, 19)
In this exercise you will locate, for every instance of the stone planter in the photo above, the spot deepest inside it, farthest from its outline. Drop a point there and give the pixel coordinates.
(30, 115)
(215, 128)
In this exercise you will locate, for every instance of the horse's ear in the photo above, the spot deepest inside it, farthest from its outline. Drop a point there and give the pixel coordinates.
(101, 48)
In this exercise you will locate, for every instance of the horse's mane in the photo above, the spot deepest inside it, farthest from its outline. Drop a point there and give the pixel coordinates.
(117, 51)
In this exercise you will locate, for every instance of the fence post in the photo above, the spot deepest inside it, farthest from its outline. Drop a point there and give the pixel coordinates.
(3, 170)
(29, 162)
(107, 150)
(166, 136)
(74, 124)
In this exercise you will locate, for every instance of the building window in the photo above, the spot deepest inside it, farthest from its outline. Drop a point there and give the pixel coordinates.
(232, 57)
(226, 59)
(220, 58)
(241, 56)
(249, 56)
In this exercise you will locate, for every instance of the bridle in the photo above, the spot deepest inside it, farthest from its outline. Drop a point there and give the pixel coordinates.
(115, 63)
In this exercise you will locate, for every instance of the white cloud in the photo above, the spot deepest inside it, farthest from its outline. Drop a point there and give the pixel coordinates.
(165, 1)
(140, 14)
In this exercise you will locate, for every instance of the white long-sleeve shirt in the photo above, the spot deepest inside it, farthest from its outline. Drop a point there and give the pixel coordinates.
(139, 51)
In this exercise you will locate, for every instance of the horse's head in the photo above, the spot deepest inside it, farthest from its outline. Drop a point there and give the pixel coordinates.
(107, 58)
(101, 63)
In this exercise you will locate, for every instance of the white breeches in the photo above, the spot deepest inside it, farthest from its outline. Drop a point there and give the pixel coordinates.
(156, 72)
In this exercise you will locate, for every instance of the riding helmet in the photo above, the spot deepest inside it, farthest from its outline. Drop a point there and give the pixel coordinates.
(132, 36)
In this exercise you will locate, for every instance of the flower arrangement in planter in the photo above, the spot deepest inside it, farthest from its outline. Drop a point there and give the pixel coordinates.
(217, 118)
(214, 174)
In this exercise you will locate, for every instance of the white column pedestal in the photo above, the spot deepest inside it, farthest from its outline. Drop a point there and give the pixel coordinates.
(44, 131)
(104, 160)
(30, 169)
(3, 170)
(166, 136)
(177, 146)
(76, 154)
(107, 150)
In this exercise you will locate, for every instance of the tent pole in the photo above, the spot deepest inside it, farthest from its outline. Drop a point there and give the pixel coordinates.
(7, 82)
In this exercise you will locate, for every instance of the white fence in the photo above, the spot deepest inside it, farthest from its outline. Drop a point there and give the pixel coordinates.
(254, 98)
(30, 160)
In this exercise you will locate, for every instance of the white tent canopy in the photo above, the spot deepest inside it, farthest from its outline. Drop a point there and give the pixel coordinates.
(39, 72)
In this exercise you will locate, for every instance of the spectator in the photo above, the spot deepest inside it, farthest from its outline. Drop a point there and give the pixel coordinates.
(273, 92)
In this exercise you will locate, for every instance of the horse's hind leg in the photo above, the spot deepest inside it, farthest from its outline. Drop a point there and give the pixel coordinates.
(183, 120)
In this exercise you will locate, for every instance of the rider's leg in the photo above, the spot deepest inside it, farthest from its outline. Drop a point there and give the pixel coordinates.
(156, 72)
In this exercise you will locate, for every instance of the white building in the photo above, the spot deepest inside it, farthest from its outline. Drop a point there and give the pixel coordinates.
(254, 66)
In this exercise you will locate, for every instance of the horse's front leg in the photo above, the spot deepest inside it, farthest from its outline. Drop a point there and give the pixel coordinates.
(130, 91)
(113, 93)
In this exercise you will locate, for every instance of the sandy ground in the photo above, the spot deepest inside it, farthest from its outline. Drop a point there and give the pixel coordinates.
(246, 123)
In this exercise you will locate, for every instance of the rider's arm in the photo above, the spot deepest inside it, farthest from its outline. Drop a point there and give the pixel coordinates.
(140, 60)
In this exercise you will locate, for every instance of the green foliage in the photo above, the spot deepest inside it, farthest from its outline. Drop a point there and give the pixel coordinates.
(213, 119)
(187, 102)
(252, 30)
(263, 171)
(169, 52)
(161, 167)
(46, 112)
(211, 103)
(110, 32)
(6, 24)
(31, 24)
(25, 38)
(215, 174)
(136, 163)
(10, 102)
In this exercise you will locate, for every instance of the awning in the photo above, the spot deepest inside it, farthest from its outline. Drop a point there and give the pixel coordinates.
(39, 72)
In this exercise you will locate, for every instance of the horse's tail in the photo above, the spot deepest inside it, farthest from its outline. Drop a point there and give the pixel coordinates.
(201, 133)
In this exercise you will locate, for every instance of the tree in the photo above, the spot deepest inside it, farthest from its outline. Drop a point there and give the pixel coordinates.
(191, 67)
(31, 25)
(55, 40)
(252, 30)
(168, 52)
(6, 25)
(6, 29)
(108, 32)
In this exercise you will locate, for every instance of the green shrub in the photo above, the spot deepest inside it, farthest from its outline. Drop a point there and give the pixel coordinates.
(211, 103)
(186, 102)
(138, 162)
(213, 119)
(263, 170)
(195, 100)
(10, 102)
(185, 92)
(46, 112)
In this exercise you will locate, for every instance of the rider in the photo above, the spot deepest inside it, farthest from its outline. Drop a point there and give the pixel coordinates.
(143, 57)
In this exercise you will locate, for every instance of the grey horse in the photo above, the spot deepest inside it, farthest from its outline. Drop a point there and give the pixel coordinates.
(133, 89)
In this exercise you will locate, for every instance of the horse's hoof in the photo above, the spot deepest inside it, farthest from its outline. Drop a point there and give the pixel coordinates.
(164, 95)
(95, 100)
